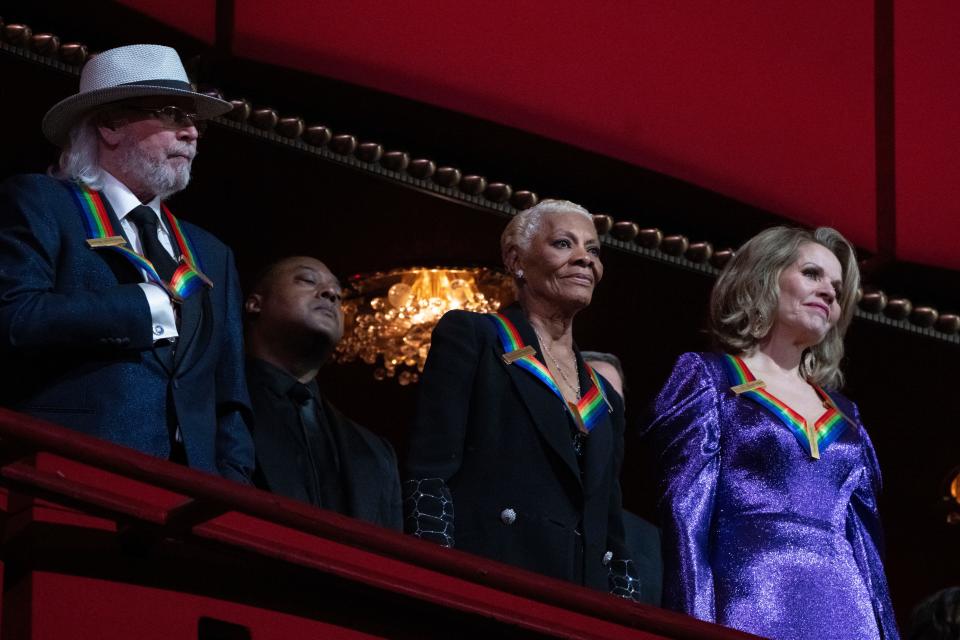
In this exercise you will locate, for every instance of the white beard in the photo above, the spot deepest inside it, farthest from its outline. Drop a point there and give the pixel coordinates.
(156, 174)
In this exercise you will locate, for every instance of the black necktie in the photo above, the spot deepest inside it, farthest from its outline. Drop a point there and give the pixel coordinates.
(323, 478)
(145, 219)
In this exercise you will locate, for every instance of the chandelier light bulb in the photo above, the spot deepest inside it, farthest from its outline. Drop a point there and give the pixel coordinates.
(389, 317)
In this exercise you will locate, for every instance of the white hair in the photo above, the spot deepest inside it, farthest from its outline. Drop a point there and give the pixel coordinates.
(524, 226)
(80, 159)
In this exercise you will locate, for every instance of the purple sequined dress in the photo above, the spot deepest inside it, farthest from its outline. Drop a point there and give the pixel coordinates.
(757, 535)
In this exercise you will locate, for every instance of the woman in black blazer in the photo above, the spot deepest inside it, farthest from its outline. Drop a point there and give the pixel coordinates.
(516, 447)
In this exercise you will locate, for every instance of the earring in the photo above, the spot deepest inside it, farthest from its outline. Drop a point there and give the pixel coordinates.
(519, 274)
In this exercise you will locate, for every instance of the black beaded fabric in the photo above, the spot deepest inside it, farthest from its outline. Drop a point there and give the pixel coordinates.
(428, 506)
(624, 580)
(579, 440)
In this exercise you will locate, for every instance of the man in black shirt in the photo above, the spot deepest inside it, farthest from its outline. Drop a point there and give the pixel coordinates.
(305, 448)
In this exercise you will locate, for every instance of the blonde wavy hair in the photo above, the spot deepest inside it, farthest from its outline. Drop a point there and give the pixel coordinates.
(744, 300)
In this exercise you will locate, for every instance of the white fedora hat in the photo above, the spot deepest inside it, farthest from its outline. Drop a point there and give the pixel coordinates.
(135, 71)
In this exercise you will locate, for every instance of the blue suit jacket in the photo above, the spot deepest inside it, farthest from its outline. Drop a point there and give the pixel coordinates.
(77, 345)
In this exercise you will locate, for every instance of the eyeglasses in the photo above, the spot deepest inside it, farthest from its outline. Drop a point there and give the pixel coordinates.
(173, 117)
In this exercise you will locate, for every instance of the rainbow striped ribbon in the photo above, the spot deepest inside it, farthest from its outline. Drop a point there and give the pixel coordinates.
(100, 234)
(814, 440)
(589, 409)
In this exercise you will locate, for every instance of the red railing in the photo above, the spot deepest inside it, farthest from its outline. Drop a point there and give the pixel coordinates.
(68, 497)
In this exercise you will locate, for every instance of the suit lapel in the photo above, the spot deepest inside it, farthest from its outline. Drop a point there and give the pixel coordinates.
(548, 411)
(123, 271)
(355, 473)
(599, 444)
(194, 320)
(114, 220)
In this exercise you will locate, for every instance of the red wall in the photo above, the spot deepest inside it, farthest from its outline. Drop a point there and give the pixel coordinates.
(194, 17)
(928, 131)
(769, 101)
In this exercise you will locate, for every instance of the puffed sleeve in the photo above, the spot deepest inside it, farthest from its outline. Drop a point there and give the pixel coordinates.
(866, 535)
(683, 437)
(440, 428)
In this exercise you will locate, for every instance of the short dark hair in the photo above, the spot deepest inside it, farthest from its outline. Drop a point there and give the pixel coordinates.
(264, 276)
(610, 359)
(937, 617)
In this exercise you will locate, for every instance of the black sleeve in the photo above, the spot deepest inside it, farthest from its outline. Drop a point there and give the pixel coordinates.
(234, 442)
(440, 428)
(392, 512)
(624, 581)
(443, 408)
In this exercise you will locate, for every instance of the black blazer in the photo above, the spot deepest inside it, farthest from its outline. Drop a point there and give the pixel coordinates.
(368, 464)
(501, 440)
(643, 540)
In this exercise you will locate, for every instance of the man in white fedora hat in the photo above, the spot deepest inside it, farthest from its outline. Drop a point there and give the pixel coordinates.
(117, 319)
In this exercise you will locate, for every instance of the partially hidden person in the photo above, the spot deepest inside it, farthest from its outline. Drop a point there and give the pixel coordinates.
(642, 536)
(305, 448)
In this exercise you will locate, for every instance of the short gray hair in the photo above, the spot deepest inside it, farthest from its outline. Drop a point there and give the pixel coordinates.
(80, 159)
(610, 359)
(523, 227)
(744, 300)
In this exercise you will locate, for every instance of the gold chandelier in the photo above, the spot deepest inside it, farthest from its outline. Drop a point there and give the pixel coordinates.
(389, 316)
(951, 497)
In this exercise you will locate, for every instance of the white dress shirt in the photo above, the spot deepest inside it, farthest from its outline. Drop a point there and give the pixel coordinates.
(123, 201)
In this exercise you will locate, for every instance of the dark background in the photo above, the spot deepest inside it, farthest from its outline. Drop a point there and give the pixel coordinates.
(266, 201)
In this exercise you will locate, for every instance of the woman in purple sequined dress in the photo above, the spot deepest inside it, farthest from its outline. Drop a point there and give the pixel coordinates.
(768, 480)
